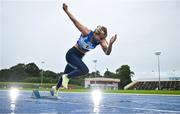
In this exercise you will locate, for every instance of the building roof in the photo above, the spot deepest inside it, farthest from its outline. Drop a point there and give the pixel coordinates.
(103, 79)
(157, 79)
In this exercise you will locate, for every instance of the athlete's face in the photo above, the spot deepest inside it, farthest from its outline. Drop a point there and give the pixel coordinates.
(99, 37)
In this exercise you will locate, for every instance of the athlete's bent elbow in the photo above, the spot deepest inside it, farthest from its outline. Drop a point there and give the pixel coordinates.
(107, 53)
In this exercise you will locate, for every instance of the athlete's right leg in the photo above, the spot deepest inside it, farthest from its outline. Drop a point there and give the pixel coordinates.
(81, 68)
(74, 59)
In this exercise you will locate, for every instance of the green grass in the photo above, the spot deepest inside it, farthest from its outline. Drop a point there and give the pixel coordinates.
(167, 92)
(21, 83)
(164, 92)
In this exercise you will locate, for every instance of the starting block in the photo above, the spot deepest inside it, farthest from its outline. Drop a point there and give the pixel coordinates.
(36, 94)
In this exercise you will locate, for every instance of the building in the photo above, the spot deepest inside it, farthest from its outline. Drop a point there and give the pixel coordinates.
(102, 83)
(169, 83)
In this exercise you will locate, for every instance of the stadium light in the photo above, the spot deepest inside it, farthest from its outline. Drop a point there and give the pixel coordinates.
(158, 54)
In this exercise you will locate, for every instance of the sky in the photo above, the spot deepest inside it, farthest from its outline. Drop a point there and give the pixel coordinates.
(39, 30)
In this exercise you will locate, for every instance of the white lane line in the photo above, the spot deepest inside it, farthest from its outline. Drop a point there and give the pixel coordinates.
(157, 110)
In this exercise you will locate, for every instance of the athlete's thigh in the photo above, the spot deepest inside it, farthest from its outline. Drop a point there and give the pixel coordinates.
(76, 62)
(68, 69)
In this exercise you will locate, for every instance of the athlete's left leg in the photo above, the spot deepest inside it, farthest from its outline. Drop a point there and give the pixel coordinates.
(67, 70)
(55, 89)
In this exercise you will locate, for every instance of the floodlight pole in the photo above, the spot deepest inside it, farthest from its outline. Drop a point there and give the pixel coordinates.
(158, 54)
(42, 62)
(95, 61)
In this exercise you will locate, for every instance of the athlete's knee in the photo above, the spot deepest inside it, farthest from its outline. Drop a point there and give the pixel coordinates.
(85, 71)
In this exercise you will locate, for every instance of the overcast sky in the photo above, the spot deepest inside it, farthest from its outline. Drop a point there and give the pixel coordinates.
(39, 30)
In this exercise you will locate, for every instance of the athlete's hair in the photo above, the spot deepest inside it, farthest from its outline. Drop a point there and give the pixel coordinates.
(101, 30)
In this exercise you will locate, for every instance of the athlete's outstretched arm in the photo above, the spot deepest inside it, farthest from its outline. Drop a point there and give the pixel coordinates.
(107, 48)
(84, 30)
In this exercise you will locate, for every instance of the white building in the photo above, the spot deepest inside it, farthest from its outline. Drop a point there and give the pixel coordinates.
(103, 83)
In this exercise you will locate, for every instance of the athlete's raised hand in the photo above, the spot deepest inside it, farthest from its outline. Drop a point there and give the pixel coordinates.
(65, 7)
(113, 39)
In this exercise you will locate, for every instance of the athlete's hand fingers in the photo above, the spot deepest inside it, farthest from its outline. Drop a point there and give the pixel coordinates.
(65, 7)
(113, 39)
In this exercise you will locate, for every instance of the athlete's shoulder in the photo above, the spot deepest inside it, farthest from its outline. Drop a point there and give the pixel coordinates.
(89, 33)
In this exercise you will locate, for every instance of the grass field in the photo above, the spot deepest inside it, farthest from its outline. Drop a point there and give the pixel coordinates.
(167, 92)
(80, 89)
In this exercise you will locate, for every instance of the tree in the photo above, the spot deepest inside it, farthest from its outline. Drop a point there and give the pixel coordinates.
(109, 74)
(124, 73)
(4, 74)
(95, 74)
(32, 69)
(49, 77)
(26, 73)
(17, 73)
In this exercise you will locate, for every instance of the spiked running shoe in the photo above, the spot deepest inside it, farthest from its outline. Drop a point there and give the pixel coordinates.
(53, 91)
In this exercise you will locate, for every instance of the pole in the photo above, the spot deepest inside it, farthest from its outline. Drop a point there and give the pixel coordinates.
(42, 73)
(158, 54)
(95, 61)
(159, 73)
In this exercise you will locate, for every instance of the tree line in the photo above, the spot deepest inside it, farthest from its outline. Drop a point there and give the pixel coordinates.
(31, 73)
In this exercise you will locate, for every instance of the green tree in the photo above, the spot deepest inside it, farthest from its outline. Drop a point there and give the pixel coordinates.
(109, 74)
(124, 73)
(49, 76)
(32, 69)
(17, 73)
(95, 74)
(4, 75)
